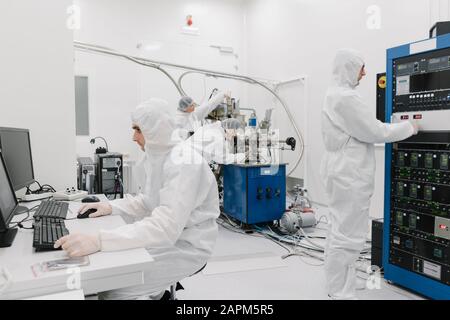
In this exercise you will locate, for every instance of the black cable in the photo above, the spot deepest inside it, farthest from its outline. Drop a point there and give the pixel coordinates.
(298, 245)
(288, 242)
(115, 188)
(34, 208)
(27, 218)
(92, 141)
(241, 232)
(34, 191)
(270, 237)
(18, 223)
(212, 93)
(41, 189)
(22, 227)
(48, 187)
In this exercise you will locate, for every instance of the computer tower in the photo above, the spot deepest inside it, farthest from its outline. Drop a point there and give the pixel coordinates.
(377, 243)
(86, 174)
(381, 97)
(109, 177)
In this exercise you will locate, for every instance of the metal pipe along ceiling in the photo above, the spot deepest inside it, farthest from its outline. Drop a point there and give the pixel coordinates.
(190, 70)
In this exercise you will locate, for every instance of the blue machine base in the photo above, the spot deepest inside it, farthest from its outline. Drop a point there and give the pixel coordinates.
(254, 193)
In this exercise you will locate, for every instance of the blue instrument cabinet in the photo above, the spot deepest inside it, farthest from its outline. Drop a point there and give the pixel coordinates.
(416, 235)
(254, 193)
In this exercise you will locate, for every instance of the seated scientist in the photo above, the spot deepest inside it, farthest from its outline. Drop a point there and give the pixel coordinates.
(174, 218)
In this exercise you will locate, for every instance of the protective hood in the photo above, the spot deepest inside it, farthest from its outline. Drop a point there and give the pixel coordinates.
(157, 125)
(346, 67)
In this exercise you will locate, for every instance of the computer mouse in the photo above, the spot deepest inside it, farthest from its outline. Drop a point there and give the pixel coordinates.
(90, 199)
(86, 213)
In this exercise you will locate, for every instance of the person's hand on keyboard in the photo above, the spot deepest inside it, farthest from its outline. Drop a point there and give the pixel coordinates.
(103, 209)
(78, 244)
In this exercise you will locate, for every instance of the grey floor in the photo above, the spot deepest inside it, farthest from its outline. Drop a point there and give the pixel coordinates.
(302, 278)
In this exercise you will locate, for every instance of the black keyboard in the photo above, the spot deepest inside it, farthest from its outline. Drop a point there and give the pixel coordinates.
(46, 232)
(52, 209)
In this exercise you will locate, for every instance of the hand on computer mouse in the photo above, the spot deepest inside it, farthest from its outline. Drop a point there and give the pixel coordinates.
(78, 244)
(103, 209)
(86, 213)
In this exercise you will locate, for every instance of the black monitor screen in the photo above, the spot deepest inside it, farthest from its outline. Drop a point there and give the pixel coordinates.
(16, 150)
(8, 200)
(430, 81)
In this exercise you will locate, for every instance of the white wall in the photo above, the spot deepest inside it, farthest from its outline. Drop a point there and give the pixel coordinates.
(439, 11)
(117, 86)
(292, 37)
(36, 84)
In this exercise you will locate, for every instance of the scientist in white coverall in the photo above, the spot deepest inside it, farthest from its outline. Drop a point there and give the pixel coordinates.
(189, 116)
(174, 218)
(349, 131)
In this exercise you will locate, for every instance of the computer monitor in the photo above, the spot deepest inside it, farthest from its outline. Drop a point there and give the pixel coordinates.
(8, 206)
(16, 148)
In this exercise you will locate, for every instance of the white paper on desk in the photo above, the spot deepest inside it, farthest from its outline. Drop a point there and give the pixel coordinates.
(244, 262)
(64, 263)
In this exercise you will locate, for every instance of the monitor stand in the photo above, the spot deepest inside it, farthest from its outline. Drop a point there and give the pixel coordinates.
(7, 237)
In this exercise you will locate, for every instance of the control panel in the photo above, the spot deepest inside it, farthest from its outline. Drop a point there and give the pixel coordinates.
(420, 209)
(422, 82)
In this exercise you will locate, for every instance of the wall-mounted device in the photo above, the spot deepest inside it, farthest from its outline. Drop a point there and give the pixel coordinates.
(381, 97)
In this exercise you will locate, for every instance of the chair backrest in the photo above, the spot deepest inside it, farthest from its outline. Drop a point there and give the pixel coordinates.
(173, 288)
(199, 270)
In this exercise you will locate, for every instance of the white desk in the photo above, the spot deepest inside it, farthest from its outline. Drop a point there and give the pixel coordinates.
(106, 271)
(67, 295)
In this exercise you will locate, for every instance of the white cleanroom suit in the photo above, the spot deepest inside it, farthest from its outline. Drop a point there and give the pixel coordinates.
(175, 217)
(188, 122)
(349, 131)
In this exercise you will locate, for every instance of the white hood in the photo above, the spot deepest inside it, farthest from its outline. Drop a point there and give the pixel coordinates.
(155, 120)
(157, 125)
(346, 67)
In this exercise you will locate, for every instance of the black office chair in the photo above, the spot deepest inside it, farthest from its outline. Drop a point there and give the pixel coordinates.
(171, 295)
